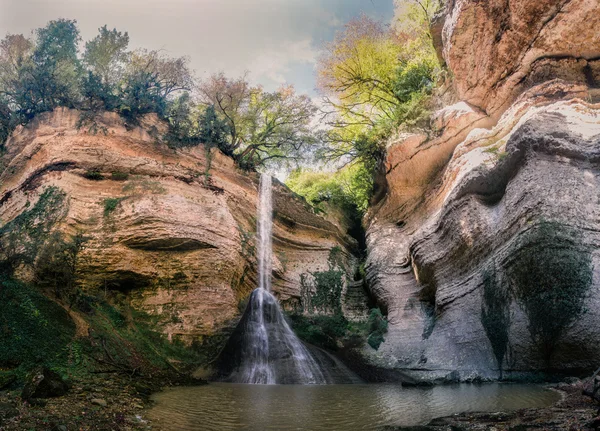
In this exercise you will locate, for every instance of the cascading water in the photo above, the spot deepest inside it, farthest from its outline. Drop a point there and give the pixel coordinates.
(263, 349)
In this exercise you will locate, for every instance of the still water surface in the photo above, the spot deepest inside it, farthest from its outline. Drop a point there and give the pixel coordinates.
(227, 406)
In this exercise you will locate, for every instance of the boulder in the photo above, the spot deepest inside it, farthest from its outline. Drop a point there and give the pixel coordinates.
(44, 383)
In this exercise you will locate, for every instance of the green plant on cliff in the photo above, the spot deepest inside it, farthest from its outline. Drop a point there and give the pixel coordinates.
(110, 204)
(551, 274)
(56, 265)
(33, 329)
(22, 237)
(321, 291)
(377, 327)
(495, 313)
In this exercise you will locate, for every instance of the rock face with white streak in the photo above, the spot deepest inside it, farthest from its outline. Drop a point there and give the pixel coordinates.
(484, 249)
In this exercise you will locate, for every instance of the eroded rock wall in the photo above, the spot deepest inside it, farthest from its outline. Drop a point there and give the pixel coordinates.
(180, 243)
(484, 250)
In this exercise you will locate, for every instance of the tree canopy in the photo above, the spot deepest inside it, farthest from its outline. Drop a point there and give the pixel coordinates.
(373, 79)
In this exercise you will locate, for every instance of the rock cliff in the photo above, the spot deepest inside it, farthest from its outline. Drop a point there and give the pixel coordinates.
(173, 230)
(484, 248)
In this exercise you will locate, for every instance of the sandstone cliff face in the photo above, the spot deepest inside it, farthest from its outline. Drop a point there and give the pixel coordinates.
(178, 243)
(484, 250)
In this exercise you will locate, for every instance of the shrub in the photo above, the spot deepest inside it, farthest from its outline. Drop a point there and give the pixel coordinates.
(93, 174)
(321, 331)
(377, 326)
(119, 176)
(110, 204)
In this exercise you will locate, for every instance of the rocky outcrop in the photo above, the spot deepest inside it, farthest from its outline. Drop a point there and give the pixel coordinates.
(172, 229)
(483, 251)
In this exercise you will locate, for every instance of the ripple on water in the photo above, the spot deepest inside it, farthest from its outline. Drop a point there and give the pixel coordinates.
(223, 406)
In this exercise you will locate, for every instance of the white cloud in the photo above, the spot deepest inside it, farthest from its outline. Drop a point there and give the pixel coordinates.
(275, 63)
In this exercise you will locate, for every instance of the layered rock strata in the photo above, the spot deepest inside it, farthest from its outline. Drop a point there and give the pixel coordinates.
(484, 249)
(174, 230)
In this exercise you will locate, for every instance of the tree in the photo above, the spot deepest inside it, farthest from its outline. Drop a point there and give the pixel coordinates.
(263, 126)
(56, 69)
(279, 126)
(212, 130)
(151, 82)
(171, 75)
(356, 73)
(230, 98)
(106, 55)
(56, 265)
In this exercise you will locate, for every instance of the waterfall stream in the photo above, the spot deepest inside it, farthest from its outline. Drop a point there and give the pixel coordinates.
(263, 349)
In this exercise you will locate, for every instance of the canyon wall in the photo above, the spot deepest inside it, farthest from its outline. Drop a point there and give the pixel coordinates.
(483, 250)
(172, 230)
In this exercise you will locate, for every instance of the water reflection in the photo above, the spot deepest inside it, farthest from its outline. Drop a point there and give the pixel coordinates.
(223, 406)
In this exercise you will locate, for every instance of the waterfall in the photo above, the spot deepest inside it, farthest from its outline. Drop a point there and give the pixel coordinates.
(264, 228)
(263, 349)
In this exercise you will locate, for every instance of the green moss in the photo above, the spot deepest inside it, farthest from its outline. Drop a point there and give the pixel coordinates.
(495, 314)
(22, 238)
(321, 291)
(550, 275)
(33, 329)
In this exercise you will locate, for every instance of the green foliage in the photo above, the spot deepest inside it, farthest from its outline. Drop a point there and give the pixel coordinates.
(110, 204)
(321, 291)
(551, 275)
(348, 189)
(56, 265)
(213, 131)
(321, 331)
(377, 326)
(375, 80)
(93, 175)
(105, 57)
(495, 314)
(22, 238)
(119, 176)
(141, 95)
(263, 127)
(33, 329)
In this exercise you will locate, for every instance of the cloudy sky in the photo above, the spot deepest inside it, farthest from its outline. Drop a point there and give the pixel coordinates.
(276, 40)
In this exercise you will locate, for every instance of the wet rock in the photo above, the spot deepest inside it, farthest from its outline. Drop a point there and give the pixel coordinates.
(44, 383)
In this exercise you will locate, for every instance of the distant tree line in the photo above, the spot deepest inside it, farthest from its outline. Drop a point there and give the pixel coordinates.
(46, 71)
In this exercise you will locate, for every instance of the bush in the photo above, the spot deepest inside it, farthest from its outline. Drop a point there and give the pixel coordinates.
(321, 331)
(110, 204)
(119, 176)
(377, 326)
(93, 175)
